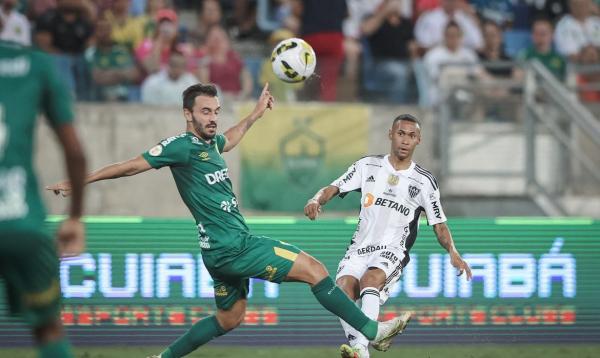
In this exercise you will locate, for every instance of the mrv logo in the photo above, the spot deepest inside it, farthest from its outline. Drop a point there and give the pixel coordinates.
(514, 275)
(141, 275)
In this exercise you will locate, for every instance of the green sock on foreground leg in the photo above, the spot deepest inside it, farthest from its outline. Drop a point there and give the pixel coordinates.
(201, 333)
(58, 349)
(335, 301)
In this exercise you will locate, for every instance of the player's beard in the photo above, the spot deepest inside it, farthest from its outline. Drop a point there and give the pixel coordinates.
(202, 130)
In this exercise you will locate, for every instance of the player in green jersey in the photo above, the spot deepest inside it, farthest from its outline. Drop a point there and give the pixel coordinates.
(28, 258)
(231, 254)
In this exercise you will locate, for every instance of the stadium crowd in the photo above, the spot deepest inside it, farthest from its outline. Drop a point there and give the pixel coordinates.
(374, 50)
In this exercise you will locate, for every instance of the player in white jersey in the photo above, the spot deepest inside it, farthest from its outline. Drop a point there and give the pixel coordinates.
(394, 192)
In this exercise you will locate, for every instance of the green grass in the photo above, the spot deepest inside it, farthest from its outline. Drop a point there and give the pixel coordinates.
(435, 351)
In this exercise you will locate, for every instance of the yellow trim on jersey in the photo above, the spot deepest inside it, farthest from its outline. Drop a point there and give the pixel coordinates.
(286, 254)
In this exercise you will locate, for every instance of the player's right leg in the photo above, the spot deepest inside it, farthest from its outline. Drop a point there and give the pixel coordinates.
(29, 265)
(231, 303)
(307, 269)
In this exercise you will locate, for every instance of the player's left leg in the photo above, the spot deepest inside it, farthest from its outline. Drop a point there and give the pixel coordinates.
(231, 303)
(29, 265)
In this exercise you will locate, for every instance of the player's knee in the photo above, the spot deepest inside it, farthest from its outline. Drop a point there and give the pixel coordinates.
(318, 270)
(49, 332)
(349, 285)
(231, 319)
(373, 278)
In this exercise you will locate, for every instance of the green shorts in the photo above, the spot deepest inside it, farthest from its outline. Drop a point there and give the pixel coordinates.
(259, 257)
(29, 269)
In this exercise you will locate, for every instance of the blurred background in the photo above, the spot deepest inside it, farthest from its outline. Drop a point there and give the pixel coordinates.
(508, 93)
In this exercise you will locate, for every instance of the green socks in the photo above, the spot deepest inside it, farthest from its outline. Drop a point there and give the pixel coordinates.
(58, 349)
(335, 301)
(200, 333)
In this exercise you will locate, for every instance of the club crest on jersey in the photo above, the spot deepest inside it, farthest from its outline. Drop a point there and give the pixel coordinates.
(413, 191)
(393, 179)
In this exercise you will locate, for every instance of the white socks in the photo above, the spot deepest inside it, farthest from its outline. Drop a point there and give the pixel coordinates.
(370, 307)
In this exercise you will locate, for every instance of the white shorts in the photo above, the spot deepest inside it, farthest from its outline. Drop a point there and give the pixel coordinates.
(357, 261)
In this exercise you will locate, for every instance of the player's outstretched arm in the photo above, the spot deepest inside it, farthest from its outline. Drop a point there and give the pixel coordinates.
(117, 170)
(442, 231)
(71, 234)
(314, 204)
(235, 134)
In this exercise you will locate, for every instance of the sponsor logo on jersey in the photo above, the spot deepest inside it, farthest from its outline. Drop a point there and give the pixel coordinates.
(349, 176)
(171, 139)
(372, 200)
(217, 177)
(389, 192)
(156, 150)
(393, 179)
(369, 200)
(370, 248)
(14, 67)
(195, 140)
(413, 191)
(370, 179)
(432, 196)
(389, 256)
(204, 156)
(436, 209)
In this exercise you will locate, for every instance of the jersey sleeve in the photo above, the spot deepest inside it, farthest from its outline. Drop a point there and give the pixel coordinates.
(351, 180)
(220, 141)
(430, 201)
(169, 152)
(57, 102)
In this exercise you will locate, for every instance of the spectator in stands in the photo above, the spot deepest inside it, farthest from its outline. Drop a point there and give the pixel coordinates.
(15, 26)
(35, 8)
(450, 63)
(577, 34)
(542, 49)
(492, 54)
(218, 63)
(149, 18)
(166, 86)
(358, 10)
(391, 43)
(321, 27)
(153, 53)
(244, 13)
(126, 30)
(65, 32)
(113, 69)
(210, 15)
(281, 91)
(429, 29)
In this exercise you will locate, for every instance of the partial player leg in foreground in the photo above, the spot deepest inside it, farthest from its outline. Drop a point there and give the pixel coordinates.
(304, 268)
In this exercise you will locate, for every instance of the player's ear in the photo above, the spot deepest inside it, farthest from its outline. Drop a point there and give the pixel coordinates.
(187, 114)
(390, 134)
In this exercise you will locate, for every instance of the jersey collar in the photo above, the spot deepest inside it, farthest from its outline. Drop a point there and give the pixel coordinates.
(200, 140)
(389, 166)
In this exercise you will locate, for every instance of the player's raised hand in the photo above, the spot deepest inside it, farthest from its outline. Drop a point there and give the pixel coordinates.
(312, 209)
(63, 188)
(71, 238)
(461, 265)
(265, 101)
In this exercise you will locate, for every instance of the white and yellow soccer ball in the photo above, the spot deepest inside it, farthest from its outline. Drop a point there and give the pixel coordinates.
(293, 60)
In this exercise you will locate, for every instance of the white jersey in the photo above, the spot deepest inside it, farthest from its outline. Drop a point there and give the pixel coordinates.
(391, 203)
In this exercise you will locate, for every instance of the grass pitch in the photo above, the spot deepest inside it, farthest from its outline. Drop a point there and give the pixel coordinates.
(434, 351)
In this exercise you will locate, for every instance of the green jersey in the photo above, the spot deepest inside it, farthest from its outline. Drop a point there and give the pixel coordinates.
(201, 176)
(552, 60)
(28, 84)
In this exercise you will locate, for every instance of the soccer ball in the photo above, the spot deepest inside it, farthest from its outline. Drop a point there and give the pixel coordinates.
(293, 60)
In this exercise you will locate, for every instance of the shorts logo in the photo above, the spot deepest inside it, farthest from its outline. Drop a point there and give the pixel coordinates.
(389, 256)
(369, 249)
(393, 179)
(369, 200)
(413, 191)
(385, 264)
(221, 291)
(270, 272)
(156, 150)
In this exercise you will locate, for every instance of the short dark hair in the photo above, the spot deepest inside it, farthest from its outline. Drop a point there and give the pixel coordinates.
(452, 23)
(407, 117)
(199, 89)
(542, 19)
